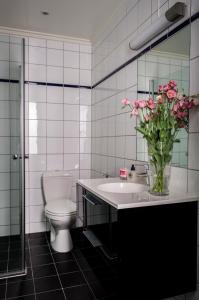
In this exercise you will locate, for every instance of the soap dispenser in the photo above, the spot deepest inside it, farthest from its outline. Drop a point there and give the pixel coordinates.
(132, 171)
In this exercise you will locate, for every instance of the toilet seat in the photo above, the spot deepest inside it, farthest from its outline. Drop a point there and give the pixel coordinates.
(60, 207)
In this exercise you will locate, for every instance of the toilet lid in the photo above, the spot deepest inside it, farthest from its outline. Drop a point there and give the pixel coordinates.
(61, 207)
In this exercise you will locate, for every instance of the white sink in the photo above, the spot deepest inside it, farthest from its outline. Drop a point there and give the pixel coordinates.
(122, 187)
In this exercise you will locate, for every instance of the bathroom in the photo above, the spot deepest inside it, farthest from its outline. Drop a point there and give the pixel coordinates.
(65, 67)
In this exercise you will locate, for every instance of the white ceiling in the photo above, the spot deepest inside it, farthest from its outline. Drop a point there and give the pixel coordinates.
(74, 18)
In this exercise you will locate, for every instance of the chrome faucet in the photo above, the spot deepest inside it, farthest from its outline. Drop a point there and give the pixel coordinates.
(146, 168)
(144, 172)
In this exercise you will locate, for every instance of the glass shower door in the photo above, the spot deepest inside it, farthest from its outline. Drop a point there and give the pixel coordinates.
(12, 260)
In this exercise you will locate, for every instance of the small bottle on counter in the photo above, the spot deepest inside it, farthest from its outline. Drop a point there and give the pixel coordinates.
(132, 172)
(123, 173)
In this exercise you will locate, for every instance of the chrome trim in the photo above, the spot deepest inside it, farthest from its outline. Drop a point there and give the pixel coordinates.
(14, 274)
(22, 146)
(92, 238)
(92, 201)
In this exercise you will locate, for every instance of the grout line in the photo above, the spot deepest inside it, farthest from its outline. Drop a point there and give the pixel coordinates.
(63, 115)
(62, 288)
(10, 182)
(20, 297)
(84, 276)
(31, 266)
(47, 276)
(79, 144)
(48, 291)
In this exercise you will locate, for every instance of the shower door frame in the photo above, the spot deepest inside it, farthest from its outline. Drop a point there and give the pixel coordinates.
(21, 157)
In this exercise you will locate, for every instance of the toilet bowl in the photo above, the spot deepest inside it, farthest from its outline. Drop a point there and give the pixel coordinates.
(59, 209)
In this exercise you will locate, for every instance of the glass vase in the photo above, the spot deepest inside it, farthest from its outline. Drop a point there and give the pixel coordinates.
(159, 170)
(159, 180)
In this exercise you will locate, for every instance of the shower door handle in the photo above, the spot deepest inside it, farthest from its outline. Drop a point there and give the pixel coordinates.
(16, 156)
(25, 156)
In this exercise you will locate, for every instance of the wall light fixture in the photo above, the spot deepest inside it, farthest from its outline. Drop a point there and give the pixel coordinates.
(172, 15)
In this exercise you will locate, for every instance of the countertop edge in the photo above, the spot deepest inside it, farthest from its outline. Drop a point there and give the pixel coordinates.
(102, 195)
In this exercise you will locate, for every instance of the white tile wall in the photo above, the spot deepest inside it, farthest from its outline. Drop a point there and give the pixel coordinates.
(54, 94)
(71, 112)
(71, 59)
(55, 44)
(71, 129)
(37, 73)
(71, 76)
(71, 96)
(85, 77)
(55, 57)
(55, 74)
(37, 55)
(72, 145)
(36, 93)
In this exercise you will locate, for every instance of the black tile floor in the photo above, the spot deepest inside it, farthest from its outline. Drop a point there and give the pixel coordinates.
(10, 258)
(82, 274)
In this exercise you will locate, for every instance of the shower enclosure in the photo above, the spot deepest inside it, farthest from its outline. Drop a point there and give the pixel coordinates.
(12, 155)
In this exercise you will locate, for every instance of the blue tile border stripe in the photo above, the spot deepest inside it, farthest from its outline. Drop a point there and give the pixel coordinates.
(59, 84)
(164, 37)
(76, 86)
(146, 92)
(9, 80)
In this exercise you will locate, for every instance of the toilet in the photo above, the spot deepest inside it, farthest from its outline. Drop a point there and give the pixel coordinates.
(59, 208)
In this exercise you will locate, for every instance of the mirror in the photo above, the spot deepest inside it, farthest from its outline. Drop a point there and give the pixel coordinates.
(168, 60)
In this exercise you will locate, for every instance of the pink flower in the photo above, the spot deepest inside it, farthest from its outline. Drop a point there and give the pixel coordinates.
(147, 118)
(160, 88)
(172, 83)
(186, 104)
(125, 101)
(181, 114)
(142, 103)
(175, 107)
(171, 94)
(151, 103)
(159, 99)
(134, 112)
(166, 87)
(182, 103)
(192, 103)
(136, 104)
(139, 104)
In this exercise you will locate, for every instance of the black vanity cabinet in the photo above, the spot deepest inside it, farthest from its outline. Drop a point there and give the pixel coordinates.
(100, 223)
(156, 246)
